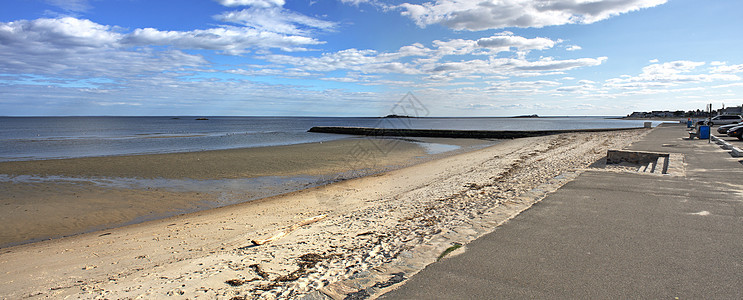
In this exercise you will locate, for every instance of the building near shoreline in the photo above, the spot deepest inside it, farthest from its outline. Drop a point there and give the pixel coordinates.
(659, 114)
(734, 110)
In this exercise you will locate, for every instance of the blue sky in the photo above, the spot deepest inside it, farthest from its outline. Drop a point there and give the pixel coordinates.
(360, 57)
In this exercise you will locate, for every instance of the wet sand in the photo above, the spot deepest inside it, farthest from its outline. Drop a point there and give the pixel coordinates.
(302, 159)
(55, 198)
(37, 211)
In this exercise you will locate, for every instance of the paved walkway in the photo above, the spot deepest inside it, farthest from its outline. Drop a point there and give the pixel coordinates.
(612, 235)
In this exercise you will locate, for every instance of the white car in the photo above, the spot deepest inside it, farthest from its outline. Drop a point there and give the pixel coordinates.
(722, 120)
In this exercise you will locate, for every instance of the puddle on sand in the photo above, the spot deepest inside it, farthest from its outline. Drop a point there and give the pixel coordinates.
(435, 148)
(258, 187)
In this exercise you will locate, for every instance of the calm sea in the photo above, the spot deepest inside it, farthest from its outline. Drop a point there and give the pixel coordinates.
(38, 138)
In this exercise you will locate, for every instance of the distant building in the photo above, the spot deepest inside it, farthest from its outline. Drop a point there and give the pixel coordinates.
(735, 110)
(662, 114)
(667, 114)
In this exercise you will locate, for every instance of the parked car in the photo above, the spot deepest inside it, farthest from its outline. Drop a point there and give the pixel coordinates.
(722, 120)
(724, 128)
(736, 131)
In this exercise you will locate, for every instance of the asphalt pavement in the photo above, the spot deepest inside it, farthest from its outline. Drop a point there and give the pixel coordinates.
(612, 235)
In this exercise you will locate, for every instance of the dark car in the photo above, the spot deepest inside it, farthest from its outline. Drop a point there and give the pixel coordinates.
(722, 120)
(736, 131)
(724, 128)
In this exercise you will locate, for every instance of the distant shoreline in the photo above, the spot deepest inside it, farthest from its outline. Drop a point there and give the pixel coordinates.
(660, 118)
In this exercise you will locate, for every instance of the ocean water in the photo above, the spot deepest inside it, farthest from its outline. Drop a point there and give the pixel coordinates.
(39, 138)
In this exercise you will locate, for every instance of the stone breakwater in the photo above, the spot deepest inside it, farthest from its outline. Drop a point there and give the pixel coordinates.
(447, 133)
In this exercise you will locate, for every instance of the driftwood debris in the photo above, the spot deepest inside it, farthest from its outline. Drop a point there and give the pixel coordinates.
(288, 230)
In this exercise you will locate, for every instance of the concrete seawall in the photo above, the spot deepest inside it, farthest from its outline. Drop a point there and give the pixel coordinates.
(478, 134)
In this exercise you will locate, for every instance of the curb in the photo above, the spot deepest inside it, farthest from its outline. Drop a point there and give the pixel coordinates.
(736, 152)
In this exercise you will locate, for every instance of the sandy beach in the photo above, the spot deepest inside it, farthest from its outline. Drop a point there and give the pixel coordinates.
(374, 228)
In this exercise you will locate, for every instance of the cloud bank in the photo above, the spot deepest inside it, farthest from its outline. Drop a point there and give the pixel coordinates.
(475, 15)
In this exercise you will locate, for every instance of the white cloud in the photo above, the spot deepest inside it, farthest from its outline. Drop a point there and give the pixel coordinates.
(669, 74)
(550, 64)
(435, 66)
(506, 40)
(46, 46)
(71, 5)
(164, 94)
(355, 2)
(492, 14)
(728, 85)
(275, 19)
(454, 46)
(268, 71)
(530, 87)
(254, 3)
(573, 48)
(367, 80)
(229, 39)
(54, 44)
(363, 61)
(722, 68)
(416, 49)
(500, 42)
(62, 34)
(670, 68)
(78, 48)
(571, 88)
(583, 87)
(375, 3)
